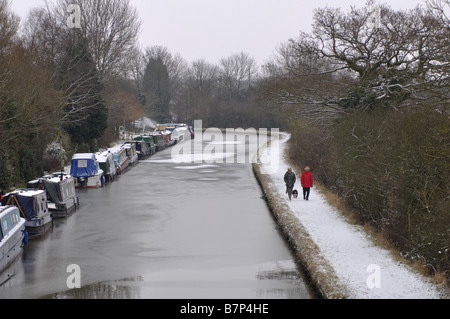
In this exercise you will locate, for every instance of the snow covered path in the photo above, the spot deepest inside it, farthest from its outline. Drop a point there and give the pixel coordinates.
(363, 269)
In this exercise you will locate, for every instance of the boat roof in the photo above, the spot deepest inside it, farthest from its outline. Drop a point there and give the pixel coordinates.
(27, 192)
(103, 156)
(55, 179)
(116, 148)
(6, 208)
(83, 156)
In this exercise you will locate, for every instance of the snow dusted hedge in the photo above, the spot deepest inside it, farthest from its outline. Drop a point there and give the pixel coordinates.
(391, 171)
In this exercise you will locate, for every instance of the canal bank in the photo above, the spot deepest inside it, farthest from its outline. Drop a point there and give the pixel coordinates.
(341, 260)
(319, 273)
(321, 276)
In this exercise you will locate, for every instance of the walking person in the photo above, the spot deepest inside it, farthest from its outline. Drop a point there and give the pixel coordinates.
(290, 179)
(307, 182)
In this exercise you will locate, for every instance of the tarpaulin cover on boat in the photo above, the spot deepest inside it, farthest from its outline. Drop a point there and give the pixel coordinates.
(26, 204)
(84, 165)
(53, 191)
(60, 191)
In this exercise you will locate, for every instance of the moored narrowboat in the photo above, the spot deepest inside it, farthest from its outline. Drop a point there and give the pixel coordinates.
(168, 138)
(33, 207)
(13, 235)
(107, 165)
(86, 171)
(121, 160)
(149, 140)
(131, 153)
(141, 149)
(61, 194)
(159, 141)
(181, 134)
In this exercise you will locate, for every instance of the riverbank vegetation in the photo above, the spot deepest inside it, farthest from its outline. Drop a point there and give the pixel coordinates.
(365, 96)
(367, 106)
(77, 88)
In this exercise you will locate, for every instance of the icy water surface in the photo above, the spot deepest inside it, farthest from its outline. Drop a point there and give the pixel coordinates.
(164, 230)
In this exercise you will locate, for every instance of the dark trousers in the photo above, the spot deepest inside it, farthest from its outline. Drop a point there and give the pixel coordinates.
(306, 192)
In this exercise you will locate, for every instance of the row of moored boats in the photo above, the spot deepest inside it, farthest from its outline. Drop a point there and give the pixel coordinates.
(27, 213)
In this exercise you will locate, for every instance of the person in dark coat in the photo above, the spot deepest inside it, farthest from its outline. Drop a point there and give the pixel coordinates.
(290, 179)
(307, 182)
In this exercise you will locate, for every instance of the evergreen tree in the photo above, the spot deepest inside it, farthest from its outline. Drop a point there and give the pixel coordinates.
(157, 88)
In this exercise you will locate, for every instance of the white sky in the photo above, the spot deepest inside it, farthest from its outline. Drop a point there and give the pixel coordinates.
(214, 29)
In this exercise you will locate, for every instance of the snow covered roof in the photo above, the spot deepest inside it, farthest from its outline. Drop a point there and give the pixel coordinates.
(103, 157)
(28, 192)
(83, 156)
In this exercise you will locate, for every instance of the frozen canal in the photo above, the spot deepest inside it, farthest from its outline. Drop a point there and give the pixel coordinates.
(164, 231)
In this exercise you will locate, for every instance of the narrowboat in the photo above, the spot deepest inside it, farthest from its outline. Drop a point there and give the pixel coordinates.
(121, 160)
(33, 207)
(131, 153)
(149, 140)
(181, 134)
(61, 194)
(86, 171)
(159, 141)
(142, 149)
(167, 138)
(106, 162)
(150, 143)
(13, 235)
(164, 127)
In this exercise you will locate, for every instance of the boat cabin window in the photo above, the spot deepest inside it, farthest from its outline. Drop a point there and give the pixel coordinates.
(9, 221)
(5, 225)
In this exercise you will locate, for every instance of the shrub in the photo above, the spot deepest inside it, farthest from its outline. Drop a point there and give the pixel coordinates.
(391, 169)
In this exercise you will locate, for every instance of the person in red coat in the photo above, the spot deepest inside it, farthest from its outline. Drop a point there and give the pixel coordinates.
(307, 182)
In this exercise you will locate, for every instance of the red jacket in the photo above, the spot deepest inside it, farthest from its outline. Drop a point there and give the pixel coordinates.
(307, 180)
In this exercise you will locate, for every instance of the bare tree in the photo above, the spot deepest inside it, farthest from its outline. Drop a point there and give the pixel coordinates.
(44, 35)
(349, 62)
(203, 77)
(438, 23)
(111, 28)
(237, 72)
(201, 87)
(76, 81)
(29, 106)
(9, 25)
(137, 64)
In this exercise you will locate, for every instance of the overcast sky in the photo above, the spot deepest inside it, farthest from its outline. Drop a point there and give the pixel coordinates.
(214, 29)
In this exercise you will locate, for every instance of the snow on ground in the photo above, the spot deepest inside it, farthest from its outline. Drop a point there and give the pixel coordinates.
(363, 268)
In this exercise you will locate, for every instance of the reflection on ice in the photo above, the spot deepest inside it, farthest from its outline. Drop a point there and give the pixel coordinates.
(273, 280)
